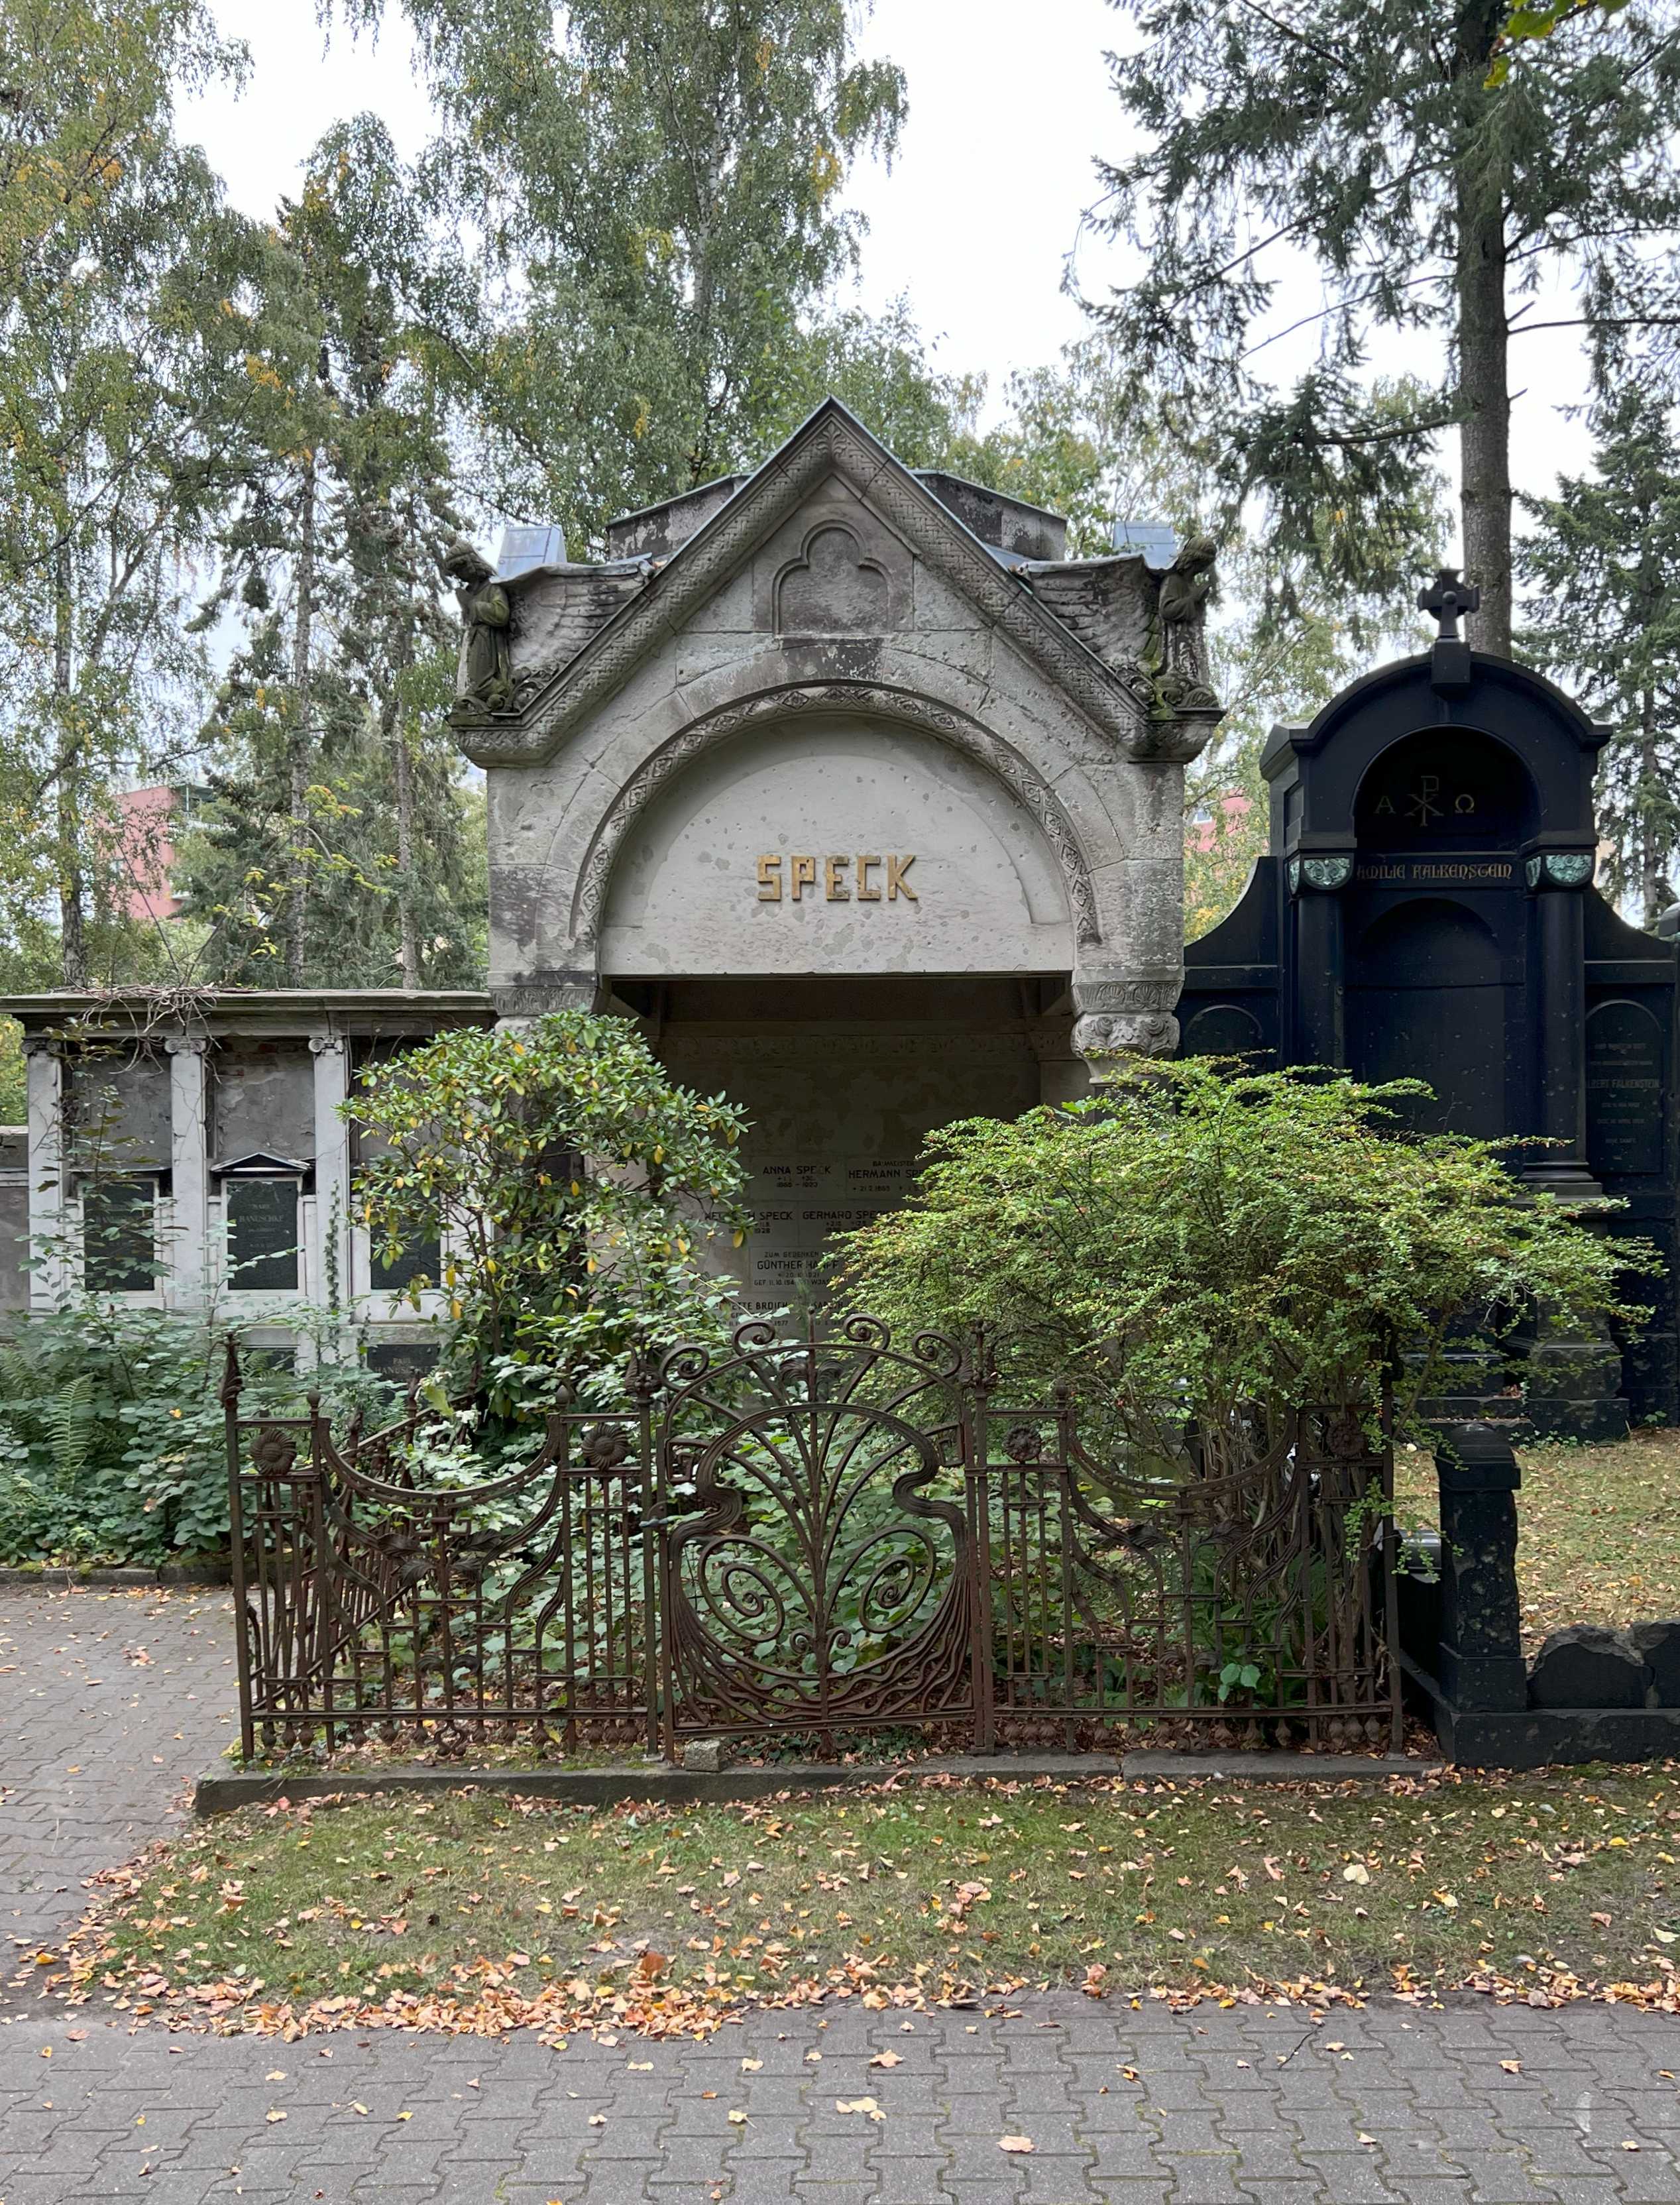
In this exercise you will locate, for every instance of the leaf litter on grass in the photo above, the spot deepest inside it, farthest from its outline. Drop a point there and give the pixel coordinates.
(476, 1916)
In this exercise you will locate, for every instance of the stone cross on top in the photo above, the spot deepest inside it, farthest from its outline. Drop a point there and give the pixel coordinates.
(1449, 599)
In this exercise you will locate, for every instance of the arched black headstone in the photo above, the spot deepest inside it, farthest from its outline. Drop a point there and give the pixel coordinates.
(1426, 910)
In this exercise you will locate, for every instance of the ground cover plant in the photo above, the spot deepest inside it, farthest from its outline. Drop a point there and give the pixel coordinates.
(468, 1912)
(112, 1445)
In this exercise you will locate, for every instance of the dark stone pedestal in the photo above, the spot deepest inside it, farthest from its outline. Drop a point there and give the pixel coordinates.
(1572, 1387)
(1480, 1663)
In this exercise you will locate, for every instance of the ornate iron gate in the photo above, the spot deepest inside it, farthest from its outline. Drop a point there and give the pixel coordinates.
(805, 1536)
(817, 1563)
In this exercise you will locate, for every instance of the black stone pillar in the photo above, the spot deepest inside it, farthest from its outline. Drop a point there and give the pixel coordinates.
(1558, 970)
(1315, 882)
(1480, 1667)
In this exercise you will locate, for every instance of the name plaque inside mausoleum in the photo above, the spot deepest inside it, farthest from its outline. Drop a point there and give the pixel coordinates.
(798, 1205)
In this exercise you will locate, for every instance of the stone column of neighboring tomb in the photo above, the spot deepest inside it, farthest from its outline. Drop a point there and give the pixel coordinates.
(185, 1281)
(1316, 880)
(1572, 1382)
(333, 1288)
(1557, 879)
(50, 1280)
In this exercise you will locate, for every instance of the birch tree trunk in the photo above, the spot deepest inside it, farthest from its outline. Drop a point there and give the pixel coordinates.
(300, 744)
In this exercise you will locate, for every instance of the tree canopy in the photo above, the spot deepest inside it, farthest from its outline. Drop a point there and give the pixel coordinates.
(1434, 173)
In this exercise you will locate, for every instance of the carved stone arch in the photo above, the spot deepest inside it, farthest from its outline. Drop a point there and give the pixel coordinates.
(942, 722)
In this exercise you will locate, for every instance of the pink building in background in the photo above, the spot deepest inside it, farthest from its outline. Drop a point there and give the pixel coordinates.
(152, 819)
(1200, 834)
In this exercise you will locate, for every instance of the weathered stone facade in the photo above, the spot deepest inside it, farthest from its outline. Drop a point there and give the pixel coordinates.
(218, 1115)
(863, 795)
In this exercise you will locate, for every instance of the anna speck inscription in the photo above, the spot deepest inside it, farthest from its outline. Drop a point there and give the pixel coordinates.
(868, 877)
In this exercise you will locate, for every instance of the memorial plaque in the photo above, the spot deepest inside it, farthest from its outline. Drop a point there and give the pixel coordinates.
(799, 1204)
(1624, 1091)
(262, 1235)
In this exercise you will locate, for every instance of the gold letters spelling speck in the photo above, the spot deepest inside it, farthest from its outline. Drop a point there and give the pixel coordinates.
(862, 887)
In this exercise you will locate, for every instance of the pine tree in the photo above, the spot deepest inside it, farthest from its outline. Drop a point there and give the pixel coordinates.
(1603, 563)
(1437, 172)
(335, 852)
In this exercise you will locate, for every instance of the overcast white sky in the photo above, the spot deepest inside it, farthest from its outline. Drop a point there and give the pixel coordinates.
(1008, 105)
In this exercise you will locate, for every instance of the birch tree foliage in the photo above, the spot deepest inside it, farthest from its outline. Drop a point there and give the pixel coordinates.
(653, 190)
(144, 343)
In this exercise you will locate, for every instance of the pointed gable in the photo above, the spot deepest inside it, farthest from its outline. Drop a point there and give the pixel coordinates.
(831, 539)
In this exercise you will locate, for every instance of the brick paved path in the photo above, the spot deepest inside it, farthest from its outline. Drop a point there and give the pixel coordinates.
(1256, 2106)
(109, 1703)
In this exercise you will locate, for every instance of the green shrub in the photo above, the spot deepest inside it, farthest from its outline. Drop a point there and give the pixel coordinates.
(111, 1434)
(571, 1184)
(1206, 1248)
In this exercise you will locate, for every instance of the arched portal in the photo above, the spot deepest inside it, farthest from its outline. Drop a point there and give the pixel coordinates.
(857, 934)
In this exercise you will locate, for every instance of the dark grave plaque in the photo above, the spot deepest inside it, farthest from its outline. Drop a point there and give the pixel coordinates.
(421, 1260)
(262, 1235)
(1224, 1030)
(1624, 1091)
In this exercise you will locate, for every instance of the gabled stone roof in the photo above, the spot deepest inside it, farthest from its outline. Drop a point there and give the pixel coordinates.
(579, 632)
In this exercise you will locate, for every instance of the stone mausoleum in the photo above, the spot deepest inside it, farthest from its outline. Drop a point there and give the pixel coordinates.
(841, 778)
(853, 788)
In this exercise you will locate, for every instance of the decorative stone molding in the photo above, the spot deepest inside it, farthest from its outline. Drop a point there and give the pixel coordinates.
(533, 998)
(941, 721)
(1123, 705)
(1147, 988)
(1108, 1039)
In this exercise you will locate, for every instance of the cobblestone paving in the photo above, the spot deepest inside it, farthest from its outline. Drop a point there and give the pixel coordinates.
(109, 1703)
(1247, 2106)
(1255, 2106)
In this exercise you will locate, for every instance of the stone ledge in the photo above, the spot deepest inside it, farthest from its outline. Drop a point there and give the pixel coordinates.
(45, 1577)
(1255, 1768)
(1541, 1737)
(220, 1792)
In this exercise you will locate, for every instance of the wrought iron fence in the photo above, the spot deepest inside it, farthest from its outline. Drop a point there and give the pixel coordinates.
(811, 1536)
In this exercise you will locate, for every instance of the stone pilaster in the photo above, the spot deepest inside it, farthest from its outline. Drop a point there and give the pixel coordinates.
(331, 1256)
(185, 1282)
(53, 1275)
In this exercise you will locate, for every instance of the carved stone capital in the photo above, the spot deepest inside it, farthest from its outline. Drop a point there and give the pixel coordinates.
(185, 1044)
(1108, 1040)
(327, 1044)
(535, 996)
(1105, 990)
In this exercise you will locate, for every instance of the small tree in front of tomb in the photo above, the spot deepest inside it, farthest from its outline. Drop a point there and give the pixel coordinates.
(1201, 1247)
(568, 1185)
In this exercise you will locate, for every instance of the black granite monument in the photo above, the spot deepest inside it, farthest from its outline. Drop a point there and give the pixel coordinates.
(1427, 910)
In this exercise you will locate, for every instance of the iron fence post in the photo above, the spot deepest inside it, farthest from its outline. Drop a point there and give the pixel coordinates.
(232, 1385)
(973, 1398)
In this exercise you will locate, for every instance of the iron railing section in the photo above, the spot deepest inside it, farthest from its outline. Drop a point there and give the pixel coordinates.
(811, 1536)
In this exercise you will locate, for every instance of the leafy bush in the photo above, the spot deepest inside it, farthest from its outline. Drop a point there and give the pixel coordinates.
(1208, 1248)
(111, 1436)
(569, 1183)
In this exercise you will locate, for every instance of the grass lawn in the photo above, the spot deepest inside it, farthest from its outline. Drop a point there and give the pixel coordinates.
(482, 1914)
(1598, 1528)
